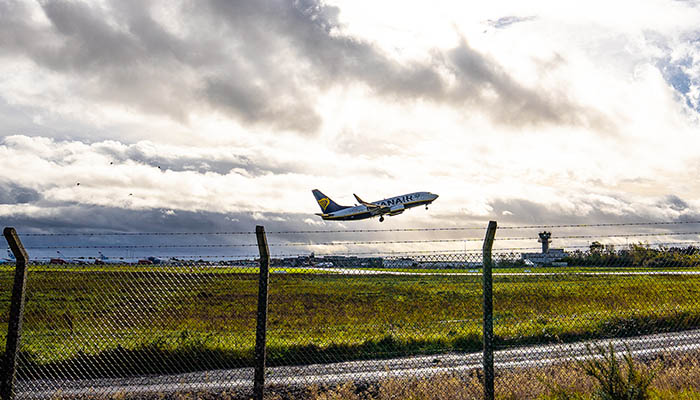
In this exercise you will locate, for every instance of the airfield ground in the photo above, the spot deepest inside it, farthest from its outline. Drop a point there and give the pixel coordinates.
(193, 318)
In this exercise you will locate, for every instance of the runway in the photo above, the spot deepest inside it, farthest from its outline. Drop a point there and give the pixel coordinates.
(368, 371)
(357, 271)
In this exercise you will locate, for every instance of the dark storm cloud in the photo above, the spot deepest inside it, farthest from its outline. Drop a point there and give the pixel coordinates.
(522, 211)
(252, 104)
(675, 203)
(518, 213)
(12, 193)
(259, 62)
(81, 218)
(309, 28)
(86, 219)
(483, 81)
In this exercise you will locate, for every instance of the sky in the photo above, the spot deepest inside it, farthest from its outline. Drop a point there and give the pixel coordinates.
(142, 116)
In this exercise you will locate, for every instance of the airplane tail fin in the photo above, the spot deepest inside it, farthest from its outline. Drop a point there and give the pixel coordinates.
(327, 205)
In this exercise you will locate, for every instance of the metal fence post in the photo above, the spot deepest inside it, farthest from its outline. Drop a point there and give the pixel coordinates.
(488, 311)
(261, 330)
(14, 326)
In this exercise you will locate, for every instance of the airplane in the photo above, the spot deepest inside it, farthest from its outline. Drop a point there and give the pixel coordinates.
(151, 260)
(10, 258)
(391, 206)
(61, 259)
(103, 259)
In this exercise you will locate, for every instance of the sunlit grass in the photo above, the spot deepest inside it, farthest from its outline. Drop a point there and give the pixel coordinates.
(84, 316)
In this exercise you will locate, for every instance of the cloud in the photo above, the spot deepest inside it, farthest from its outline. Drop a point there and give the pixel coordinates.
(675, 203)
(678, 60)
(198, 100)
(145, 175)
(260, 63)
(12, 193)
(180, 159)
(593, 209)
(482, 82)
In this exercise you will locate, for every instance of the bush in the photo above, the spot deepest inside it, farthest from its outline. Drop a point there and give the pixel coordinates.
(618, 381)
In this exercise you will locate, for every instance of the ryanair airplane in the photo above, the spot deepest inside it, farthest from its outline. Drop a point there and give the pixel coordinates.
(391, 206)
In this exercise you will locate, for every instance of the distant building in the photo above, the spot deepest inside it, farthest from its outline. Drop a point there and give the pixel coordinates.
(329, 262)
(547, 256)
(450, 264)
(400, 262)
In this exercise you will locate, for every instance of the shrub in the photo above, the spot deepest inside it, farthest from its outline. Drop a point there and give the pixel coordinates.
(618, 380)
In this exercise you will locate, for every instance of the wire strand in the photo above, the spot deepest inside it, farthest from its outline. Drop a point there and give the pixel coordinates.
(343, 243)
(329, 231)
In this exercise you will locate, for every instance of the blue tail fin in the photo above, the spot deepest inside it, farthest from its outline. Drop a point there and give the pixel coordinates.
(327, 205)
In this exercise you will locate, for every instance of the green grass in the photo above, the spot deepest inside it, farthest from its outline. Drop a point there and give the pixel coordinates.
(173, 268)
(134, 320)
(534, 270)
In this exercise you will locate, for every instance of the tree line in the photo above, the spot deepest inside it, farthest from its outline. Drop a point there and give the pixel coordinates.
(635, 255)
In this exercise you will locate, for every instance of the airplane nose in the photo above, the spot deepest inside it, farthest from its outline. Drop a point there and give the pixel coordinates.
(435, 196)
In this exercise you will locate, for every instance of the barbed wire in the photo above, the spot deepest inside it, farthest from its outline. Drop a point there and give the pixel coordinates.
(622, 235)
(329, 231)
(600, 225)
(343, 243)
(387, 253)
(136, 234)
(224, 245)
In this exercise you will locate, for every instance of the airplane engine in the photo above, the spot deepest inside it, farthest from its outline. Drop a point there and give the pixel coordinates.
(397, 209)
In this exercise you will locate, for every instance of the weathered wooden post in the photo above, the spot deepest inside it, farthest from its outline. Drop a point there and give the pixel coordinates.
(488, 311)
(14, 326)
(261, 330)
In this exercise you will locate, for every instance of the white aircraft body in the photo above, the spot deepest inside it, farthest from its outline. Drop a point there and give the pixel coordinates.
(10, 257)
(106, 260)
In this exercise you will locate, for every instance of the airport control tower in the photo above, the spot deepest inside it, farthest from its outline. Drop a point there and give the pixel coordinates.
(545, 240)
(547, 256)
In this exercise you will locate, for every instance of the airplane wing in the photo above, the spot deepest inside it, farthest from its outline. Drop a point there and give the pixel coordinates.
(366, 204)
(373, 208)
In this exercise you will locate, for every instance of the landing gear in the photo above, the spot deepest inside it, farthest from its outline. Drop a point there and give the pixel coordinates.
(426, 206)
(381, 219)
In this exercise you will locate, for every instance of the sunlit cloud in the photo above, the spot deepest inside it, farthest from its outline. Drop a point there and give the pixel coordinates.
(523, 112)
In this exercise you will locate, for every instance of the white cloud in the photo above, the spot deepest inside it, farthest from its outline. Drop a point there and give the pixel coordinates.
(567, 106)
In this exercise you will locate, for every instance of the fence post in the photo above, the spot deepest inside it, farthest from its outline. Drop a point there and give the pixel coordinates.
(488, 311)
(261, 330)
(14, 326)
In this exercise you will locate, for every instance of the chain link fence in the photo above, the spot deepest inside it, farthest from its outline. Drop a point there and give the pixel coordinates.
(371, 325)
(99, 329)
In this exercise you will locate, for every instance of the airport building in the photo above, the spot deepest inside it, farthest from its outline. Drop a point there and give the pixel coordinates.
(547, 256)
(329, 262)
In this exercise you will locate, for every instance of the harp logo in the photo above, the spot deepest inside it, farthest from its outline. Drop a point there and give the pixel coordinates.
(324, 202)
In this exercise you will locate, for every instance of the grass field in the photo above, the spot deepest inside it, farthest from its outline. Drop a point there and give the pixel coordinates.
(112, 321)
(535, 270)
